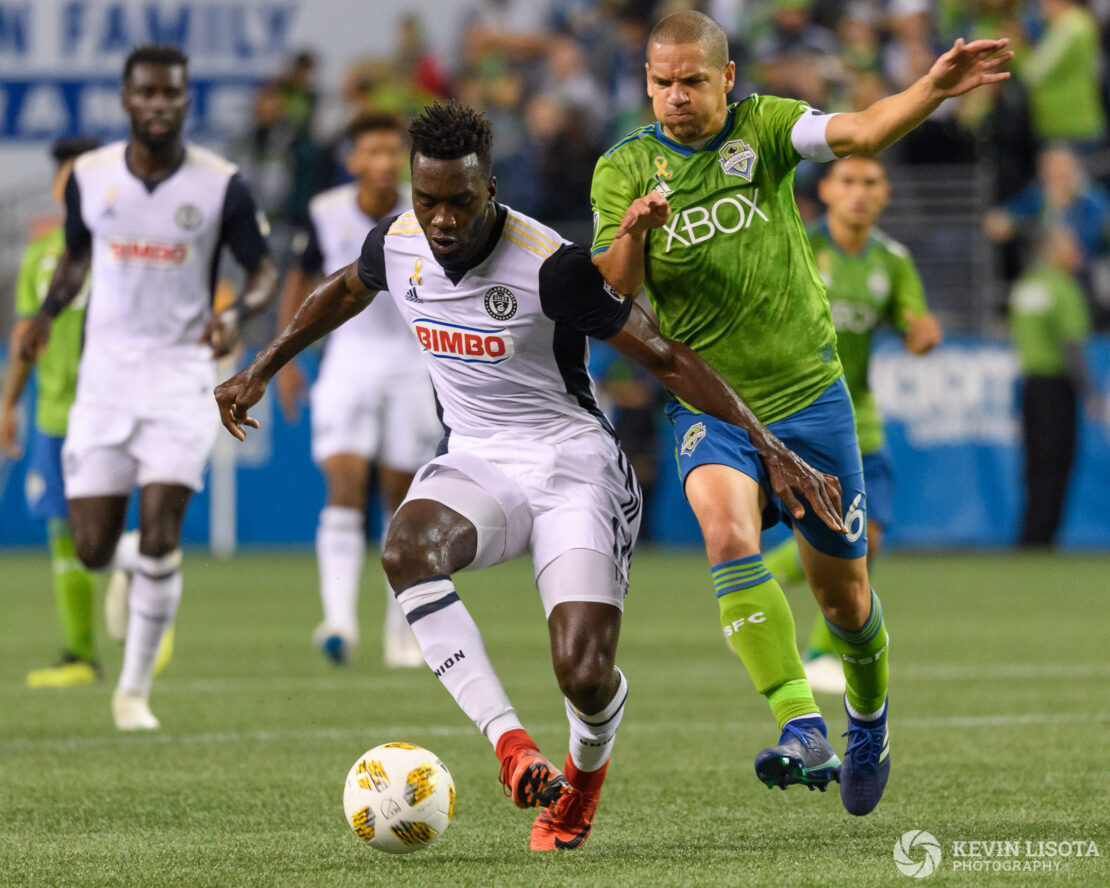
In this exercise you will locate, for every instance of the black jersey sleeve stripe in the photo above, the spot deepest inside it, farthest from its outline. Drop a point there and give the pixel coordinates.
(78, 236)
(573, 292)
(371, 262)
(239, 227)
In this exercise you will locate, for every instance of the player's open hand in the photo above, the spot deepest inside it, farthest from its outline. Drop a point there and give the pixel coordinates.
(644, 213)
(34, 338)
(290, 386)
(235, 397)
(792, 477)
(968, 65)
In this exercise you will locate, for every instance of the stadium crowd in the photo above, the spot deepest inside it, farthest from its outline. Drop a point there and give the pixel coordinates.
(563, 80)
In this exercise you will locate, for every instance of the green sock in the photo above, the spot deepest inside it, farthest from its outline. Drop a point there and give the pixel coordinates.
(784, 562)
(759, 626)
(866, 666)
(820, 639)
(73, 591)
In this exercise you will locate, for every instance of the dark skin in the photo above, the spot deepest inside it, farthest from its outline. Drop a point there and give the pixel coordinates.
(156, 99)
(454, 203)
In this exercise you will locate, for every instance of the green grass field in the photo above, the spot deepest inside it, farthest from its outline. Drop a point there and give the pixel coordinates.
(1000, 715)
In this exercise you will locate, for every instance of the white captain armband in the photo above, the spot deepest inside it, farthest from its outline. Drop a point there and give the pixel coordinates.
(808, 136)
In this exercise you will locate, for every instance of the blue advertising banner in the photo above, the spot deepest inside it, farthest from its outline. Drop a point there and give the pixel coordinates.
(952, 426)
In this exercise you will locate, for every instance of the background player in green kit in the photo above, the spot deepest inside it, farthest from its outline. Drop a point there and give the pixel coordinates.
(870, 280)
(57, 385)
(699, 209)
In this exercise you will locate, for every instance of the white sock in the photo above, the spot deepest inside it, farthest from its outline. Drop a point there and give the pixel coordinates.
(592, 736)
(126, 556)
(155, 595)
(340, 550)
(452, 647)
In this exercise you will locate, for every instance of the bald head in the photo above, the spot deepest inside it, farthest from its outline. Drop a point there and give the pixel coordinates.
(688, 26)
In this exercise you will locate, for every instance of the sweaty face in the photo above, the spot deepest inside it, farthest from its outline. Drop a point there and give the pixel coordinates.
(156, 98)
(688, 94)
(855, 191)
(376, 159)
(453, 202)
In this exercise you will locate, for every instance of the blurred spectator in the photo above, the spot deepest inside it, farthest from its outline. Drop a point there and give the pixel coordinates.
(418, 66)
(298, 91)
(1062, 195)
(568, 81)
(626, 92)
(278, 160)
(1062, 73)
(502, 33)
(797, 59)
(1050, 325)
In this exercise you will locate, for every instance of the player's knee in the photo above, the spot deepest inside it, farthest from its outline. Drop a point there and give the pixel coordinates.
(848, 606)
(157, 542)
(93, 550)
(586, 681)
(728, 537)
(408, 555)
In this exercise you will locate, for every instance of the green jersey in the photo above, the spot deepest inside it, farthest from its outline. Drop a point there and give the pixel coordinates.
(57, 365)
(1047, 312)
(878, 285)
(731, 273)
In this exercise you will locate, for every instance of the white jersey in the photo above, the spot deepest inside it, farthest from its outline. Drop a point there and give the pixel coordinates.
(377, 338)
(505, 337)
(154, 250)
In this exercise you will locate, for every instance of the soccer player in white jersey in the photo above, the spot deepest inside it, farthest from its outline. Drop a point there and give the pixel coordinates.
(372, 400)
(501, 306)
(148, 215)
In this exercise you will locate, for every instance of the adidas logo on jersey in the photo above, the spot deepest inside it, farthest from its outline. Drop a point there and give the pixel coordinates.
(470, 344)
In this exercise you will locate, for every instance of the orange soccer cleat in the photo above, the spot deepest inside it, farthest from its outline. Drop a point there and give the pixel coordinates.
(529, 778)
(567, 824)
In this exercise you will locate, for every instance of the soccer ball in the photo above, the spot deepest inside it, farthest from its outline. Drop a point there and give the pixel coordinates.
(399, 797)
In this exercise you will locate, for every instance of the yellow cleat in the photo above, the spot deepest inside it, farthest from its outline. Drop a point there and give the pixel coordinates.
(165, 651)
(68, 673)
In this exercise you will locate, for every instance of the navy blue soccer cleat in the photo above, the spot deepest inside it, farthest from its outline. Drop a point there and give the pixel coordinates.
(866, 764)
(803, 756)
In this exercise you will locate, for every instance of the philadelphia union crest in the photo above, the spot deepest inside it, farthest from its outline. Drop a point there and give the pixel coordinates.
(188, 216)
(737, 159)
(500, 303)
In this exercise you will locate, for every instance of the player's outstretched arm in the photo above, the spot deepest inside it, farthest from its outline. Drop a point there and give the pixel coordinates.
(699, 385)
(963, 68)
(339, 298)
(69, 278)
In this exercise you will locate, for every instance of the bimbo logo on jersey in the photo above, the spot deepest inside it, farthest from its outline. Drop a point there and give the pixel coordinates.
(470, 344)
(143, 252)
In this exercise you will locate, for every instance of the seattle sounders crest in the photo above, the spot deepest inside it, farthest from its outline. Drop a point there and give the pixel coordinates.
(737, 159)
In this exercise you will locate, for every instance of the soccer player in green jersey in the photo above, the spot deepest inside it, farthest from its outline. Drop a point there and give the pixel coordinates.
(57, 383)
(870, 280)
(699, 209)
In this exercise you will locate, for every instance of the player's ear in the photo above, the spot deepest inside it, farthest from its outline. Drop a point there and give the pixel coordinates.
(730, 77)
(647, 78)
(491, 187)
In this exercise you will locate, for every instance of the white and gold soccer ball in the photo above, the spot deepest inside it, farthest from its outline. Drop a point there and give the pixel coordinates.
(399, 797)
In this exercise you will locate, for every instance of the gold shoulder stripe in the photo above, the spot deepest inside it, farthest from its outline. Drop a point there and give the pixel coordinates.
(404, 224)
(530, 247)
(515, 225)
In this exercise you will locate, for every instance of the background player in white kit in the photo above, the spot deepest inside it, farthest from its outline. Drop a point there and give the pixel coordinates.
(502, 306)
(149, 216)
(372, 400)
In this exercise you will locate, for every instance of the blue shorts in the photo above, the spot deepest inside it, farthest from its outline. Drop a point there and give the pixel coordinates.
(823, 434)
(44, 487)
(878, 476)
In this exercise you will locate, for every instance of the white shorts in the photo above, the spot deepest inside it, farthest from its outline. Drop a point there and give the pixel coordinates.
(547, 499)
(391, 420)
(113, 445)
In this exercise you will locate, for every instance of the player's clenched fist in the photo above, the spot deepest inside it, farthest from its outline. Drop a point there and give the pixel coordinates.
(235, 397)
(647, 212)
